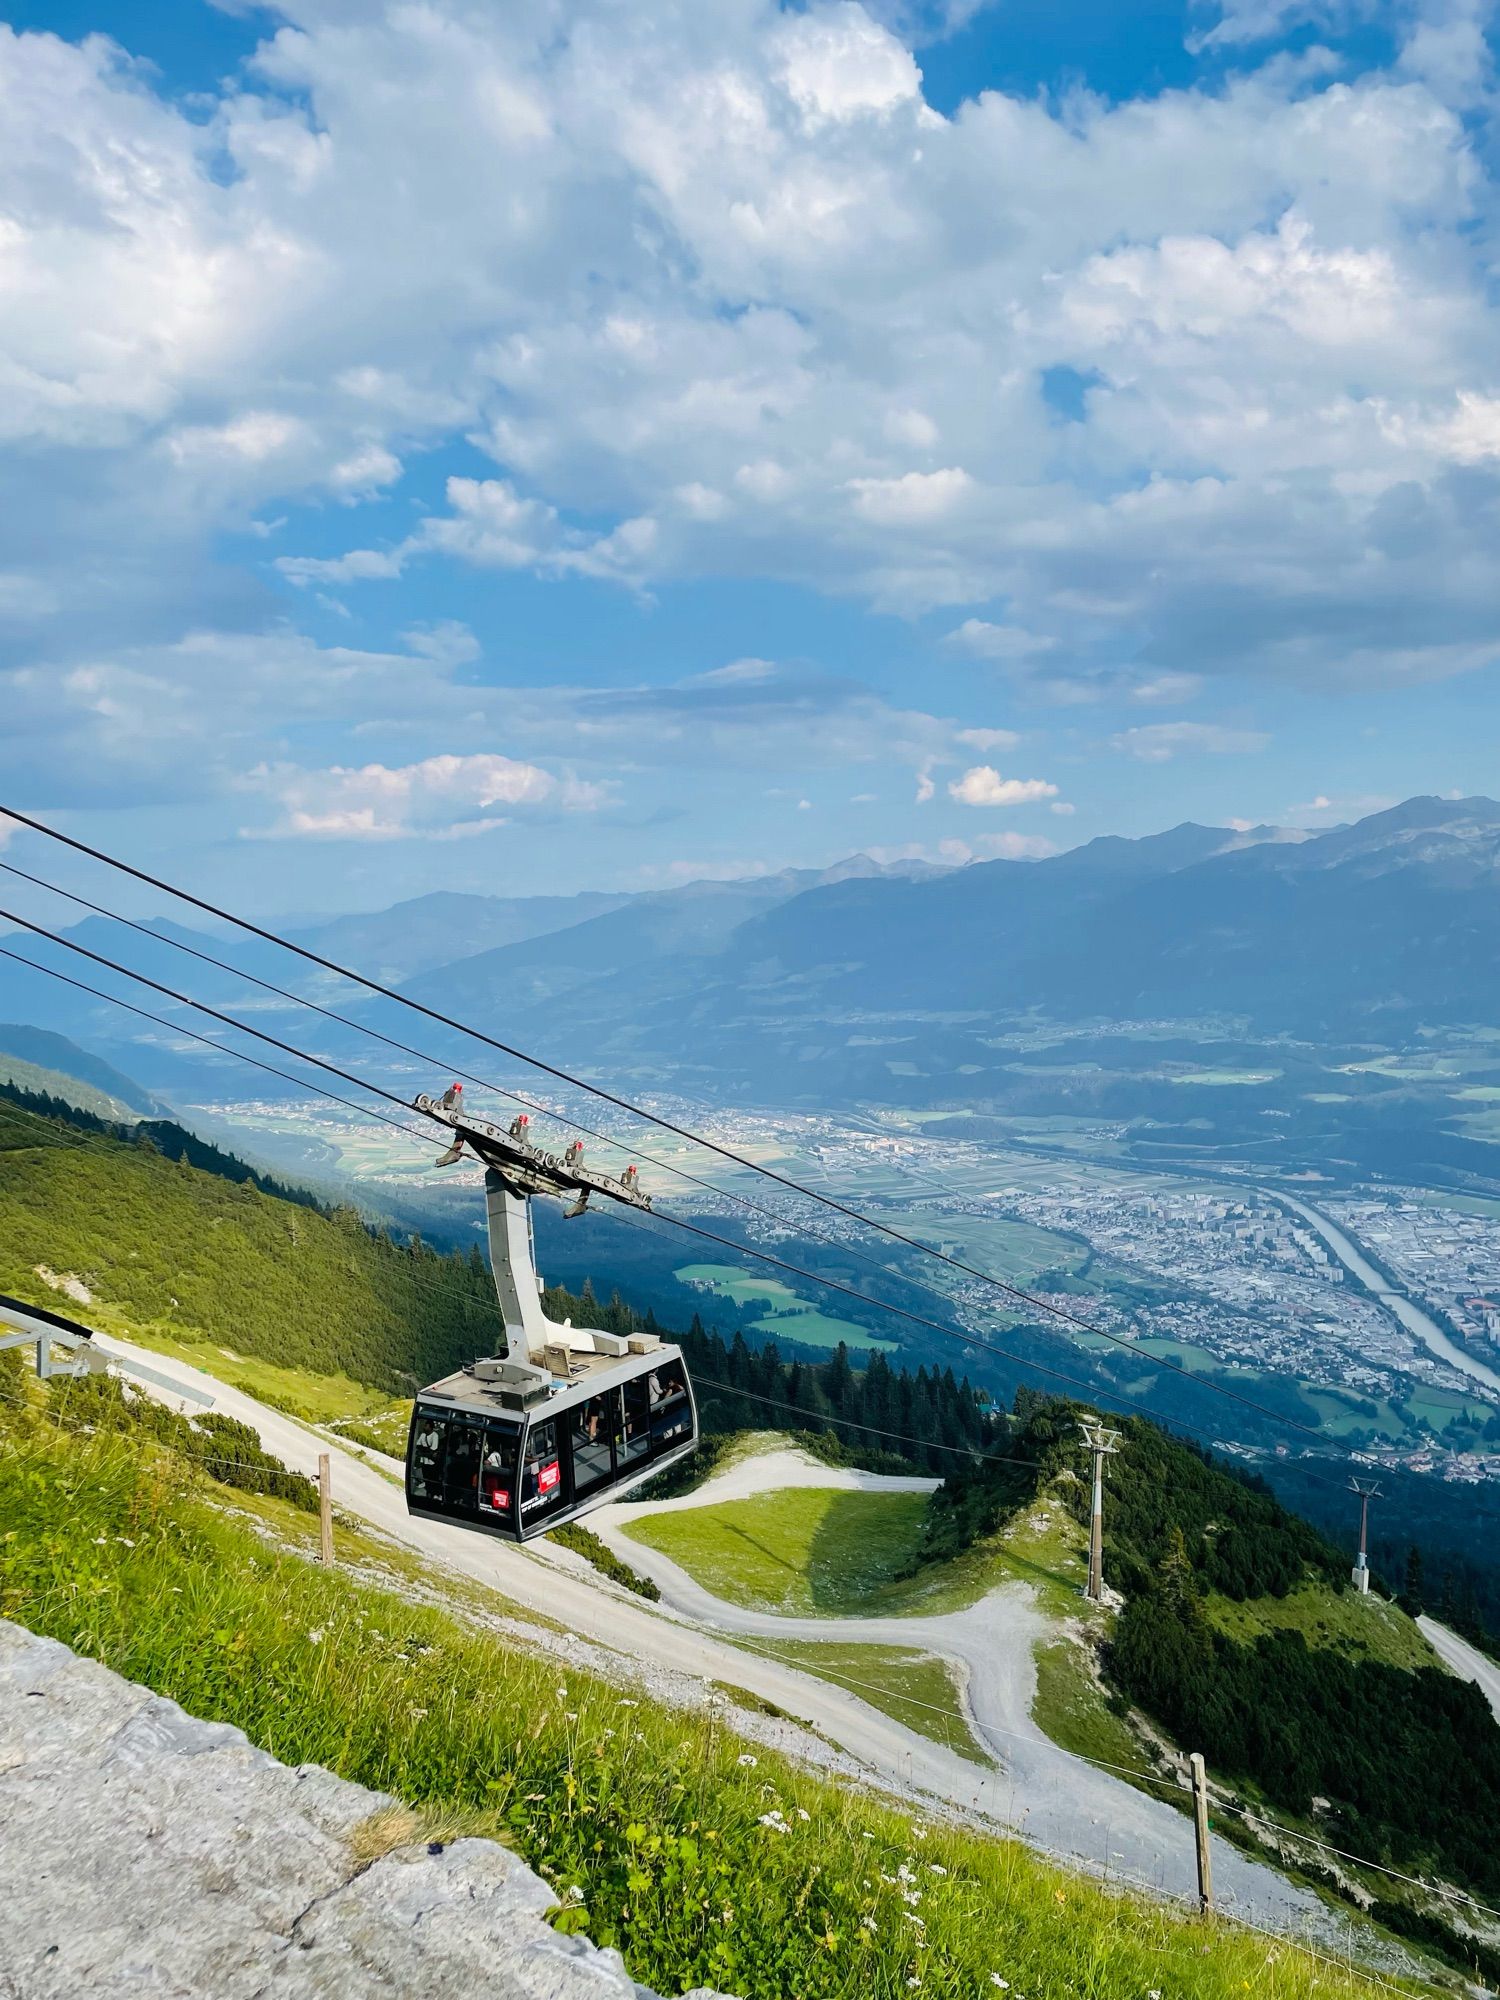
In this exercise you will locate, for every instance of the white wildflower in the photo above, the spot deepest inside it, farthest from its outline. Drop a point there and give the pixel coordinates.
(316, 1636)
(570, 1715)
(627, 1704)
(1004, 1984)
(774, 1820)
(747, 1762)
(934, 1869)
(802, 1813)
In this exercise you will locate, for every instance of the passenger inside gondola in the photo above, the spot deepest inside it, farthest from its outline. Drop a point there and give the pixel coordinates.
(671, 1413)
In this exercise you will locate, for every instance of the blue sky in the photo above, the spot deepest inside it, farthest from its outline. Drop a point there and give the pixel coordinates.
(571, 443)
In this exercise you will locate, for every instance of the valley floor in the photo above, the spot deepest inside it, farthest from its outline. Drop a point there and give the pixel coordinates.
(1060, 1804)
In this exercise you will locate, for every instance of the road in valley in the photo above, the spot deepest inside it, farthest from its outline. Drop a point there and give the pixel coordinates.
(1465, 1660)
(1055, 1801)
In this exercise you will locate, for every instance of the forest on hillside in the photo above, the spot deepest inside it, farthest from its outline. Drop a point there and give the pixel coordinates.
(923, 1418)
(1401, 1766)
(179, 1234)
(195, 1243)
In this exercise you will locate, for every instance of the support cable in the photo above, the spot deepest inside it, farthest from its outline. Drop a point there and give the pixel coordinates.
(655, 1118)
(793, 1225)
(1089, 1390)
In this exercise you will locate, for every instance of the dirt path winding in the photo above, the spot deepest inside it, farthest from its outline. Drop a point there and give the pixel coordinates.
(1055, 1801)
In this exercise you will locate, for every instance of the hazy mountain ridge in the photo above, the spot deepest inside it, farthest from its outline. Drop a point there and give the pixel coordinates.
(874, 981)
(393, 944)
(1330, 933)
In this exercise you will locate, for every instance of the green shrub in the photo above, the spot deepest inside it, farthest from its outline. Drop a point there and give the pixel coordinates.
(584, 1542)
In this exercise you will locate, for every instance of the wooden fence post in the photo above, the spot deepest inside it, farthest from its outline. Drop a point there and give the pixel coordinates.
(1200, 1824)
(325, 1507)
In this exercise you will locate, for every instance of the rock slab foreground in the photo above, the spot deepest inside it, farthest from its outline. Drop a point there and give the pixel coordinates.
(144, 1852)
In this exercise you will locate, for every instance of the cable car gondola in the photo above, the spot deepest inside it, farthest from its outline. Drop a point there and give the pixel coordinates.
(567, 1417)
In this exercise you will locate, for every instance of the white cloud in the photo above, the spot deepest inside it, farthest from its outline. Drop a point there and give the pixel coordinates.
(987, 739)
(357, 566)
(1014, 847)
(440, 798)
(1468, 434)
(984, 786)
(998, 642)
(1159, 742)
(702, 502)
(804, 286)
(256, 436)
(493, 527)
(911, 498)
(1325, 811)
(1166, 688)
(955, 853)
(836, 64)
(910, 427)
(1242, 22)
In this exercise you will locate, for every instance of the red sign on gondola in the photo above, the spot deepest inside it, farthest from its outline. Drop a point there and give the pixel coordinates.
(548, 1477)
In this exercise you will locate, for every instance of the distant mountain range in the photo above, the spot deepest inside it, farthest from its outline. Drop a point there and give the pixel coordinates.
(1370, 931)
(392, 944)
(870, 981)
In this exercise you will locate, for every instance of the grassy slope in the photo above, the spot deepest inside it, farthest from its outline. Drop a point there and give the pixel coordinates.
(1361, 1627)
(663, 1820)
(818, 1552)
(52, 1083)
(916, 1689)
(190, 1258)
(800, 1552)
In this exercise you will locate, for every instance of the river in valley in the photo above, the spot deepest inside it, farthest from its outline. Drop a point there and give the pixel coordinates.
(1417, 1322)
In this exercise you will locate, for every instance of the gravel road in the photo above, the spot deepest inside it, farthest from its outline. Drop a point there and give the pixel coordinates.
(1057, 1802)
(1465, 1660)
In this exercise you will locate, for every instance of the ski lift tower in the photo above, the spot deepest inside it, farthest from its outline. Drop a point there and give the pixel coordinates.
(1102, 1442)
(1368, 1490)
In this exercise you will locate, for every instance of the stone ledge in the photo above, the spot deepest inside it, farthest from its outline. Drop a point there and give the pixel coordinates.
(146, 1853)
